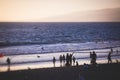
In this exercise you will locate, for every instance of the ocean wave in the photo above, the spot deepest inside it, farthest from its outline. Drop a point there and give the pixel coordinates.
(59, 47)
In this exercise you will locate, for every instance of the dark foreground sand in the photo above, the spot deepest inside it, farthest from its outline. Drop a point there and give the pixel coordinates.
(101, 72)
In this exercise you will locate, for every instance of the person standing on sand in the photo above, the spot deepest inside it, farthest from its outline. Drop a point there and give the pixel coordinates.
(117, 51)
(8, 62)
(70, 59)
(111, 51)
(91, 60)
(42, 49)
(74, 60)
(109, 58)
(54, 60)
(67, 59)
(94, 57)
(61, 58)
(77, 64)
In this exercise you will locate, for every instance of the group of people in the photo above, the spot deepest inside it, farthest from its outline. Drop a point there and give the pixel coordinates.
(93, 58)
(67, 60)
(62, 59)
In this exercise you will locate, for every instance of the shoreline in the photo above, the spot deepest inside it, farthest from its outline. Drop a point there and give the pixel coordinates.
(43, 61)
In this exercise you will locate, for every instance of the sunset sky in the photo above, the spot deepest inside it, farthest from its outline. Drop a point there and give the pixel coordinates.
(50, 10)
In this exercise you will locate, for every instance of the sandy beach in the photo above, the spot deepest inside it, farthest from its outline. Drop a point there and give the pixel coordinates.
(100, 72)
(45, 60)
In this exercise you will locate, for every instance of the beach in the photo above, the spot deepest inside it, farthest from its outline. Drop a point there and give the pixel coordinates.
(59, 40)
(36, 61)
(31, 47)
(100, 72)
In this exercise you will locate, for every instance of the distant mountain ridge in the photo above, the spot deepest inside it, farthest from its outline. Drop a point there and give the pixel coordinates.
(107, 15)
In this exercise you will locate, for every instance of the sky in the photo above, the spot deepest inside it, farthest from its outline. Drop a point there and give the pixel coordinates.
(47, 10)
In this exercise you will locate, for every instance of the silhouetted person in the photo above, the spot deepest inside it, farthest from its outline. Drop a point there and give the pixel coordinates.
(74, 60)
(67, 60)
(117, 61)
(8, 62)
(91, 60)
(86, 66)
(109, 58)
(94, 56)
(111, 50)
(54, 60)
(70, 59)
(117, 51)
(63, 59)
(77, 63)
(60, 58)
(42, 49)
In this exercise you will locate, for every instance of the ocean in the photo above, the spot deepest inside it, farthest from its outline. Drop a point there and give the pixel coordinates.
(28, 40)
(53, 33)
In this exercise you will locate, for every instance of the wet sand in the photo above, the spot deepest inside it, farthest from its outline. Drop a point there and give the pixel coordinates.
(101, 72)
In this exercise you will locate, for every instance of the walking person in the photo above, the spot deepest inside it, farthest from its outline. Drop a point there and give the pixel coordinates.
(94, 57)
(67, 60)
(61, 58)
(77, 64)
(117, 51)
(111, 51)
(54, 60)
(91, 59)
(70, 59)
(109, 58)
(42, 49)
(74, 60)
(8, 62)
